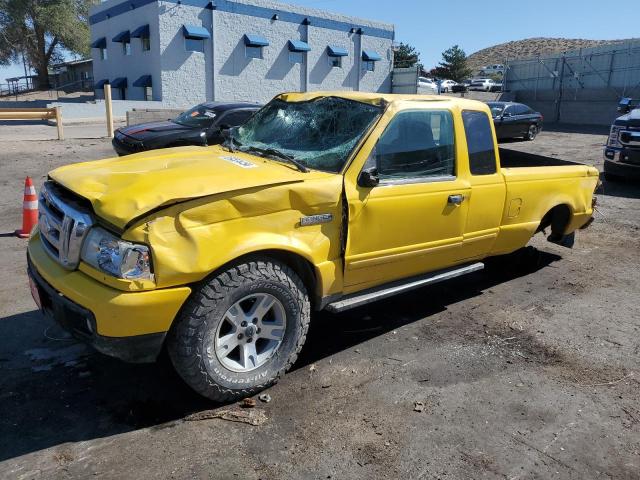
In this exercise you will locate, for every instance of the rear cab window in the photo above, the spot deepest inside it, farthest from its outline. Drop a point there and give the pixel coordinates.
(417, 146)
(482, 154)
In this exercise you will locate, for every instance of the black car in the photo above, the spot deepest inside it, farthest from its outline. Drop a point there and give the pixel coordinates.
(515, 120)
(202, 125)
(622, 151)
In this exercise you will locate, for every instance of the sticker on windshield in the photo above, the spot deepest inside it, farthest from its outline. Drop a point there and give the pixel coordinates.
(239, 162)
(209, 114)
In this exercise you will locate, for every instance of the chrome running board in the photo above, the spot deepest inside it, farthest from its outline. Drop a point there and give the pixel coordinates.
(383, 291)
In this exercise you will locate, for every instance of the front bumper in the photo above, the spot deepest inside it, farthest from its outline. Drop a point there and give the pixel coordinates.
(126, 148)
(127, 325)
(622, 163)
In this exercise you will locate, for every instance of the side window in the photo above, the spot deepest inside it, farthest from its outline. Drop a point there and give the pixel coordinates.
(482, 155)
(508, 111)
(522, 109)
(235, 119)
(417, 144)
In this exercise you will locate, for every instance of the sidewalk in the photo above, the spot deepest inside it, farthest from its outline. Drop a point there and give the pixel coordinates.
(22, 130)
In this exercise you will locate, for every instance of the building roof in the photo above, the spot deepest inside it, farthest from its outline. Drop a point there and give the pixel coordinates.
(257, 8)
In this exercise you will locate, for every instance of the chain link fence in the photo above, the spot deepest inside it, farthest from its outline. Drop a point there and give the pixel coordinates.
(582, 86)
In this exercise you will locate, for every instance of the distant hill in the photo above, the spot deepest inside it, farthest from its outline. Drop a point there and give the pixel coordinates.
(530, 47)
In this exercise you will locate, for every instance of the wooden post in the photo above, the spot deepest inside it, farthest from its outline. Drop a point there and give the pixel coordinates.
(59, 123)
(107, 104)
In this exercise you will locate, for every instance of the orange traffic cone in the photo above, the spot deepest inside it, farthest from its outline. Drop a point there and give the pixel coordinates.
(29, 209)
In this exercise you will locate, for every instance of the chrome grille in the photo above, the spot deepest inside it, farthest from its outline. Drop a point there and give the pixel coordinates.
(63, 223)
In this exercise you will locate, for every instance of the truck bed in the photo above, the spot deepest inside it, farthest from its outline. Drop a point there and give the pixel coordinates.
(516, 159)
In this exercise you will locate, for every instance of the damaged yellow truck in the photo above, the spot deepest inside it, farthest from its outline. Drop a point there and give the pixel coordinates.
(320, 201)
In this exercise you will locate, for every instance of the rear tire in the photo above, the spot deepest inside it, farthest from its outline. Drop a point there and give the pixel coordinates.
(532, 133)
(223, 320)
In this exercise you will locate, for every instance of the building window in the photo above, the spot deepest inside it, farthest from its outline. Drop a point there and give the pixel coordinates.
(126, 47)
(335, 62)
(369, 66)
(146, 44)
(194, 44)
(296, 57)
(148, 94)
(103, 54)
(253, 52)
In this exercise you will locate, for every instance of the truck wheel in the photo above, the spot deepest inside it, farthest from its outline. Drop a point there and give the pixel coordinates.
(532, 132)
(241, 331)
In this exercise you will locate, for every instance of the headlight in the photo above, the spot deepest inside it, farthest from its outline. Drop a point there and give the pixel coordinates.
(116, 257)
(614, 141)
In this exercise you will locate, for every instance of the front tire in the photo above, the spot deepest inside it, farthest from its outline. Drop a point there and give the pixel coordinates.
(242, 330)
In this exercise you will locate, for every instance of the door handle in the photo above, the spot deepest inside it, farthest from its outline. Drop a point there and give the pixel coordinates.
(456, 199)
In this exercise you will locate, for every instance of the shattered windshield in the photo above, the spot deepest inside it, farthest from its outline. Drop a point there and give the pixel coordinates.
(318, 134)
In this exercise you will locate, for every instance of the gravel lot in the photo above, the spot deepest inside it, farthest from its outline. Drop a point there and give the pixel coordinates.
(522, 372)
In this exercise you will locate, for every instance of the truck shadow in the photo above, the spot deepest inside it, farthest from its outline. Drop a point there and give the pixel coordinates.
(81, 395)
(620, 187)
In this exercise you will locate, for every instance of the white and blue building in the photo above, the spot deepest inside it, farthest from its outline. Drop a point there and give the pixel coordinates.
(183, 52)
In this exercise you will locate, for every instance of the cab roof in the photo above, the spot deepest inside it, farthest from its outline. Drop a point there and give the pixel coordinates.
(375, 98)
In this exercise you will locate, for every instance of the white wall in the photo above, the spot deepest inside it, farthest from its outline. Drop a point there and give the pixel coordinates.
(182, 78)
(186, 76)
(131, 66)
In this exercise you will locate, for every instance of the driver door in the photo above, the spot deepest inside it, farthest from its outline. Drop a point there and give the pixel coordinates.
(412, 221)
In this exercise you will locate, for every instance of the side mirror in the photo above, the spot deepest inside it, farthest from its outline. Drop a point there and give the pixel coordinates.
(368, 177)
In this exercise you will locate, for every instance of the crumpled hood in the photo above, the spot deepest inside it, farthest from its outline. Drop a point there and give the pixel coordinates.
(122, 189)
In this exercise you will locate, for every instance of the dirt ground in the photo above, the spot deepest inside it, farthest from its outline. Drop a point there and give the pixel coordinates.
(522, 372)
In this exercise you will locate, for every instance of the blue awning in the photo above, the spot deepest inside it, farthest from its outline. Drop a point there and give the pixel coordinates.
(99, 43)
(254, 40)
(337, 51)
(120, 82)
(193, 31)
(371, 56)
(143, 81)
(141, 32)
(100, 84)
(122, 37)
(299, 46)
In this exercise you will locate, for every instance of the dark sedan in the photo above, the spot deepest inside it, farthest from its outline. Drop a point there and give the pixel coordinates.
(202, 125)
(515, 120)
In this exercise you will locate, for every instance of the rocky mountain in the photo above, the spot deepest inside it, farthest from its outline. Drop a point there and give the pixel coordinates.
(530, 47)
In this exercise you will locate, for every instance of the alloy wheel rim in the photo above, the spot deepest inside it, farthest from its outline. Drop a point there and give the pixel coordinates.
(250, 333)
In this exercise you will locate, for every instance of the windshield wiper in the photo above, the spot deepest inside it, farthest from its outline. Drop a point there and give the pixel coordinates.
(228, 143)
(272, 152)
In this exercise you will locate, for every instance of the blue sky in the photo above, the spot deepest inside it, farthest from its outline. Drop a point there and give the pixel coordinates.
(433, 26)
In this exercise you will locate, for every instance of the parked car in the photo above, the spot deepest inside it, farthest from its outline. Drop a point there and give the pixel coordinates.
(463, 86)
(482, 84)
(515, 120)
(201, 125)
(496, 87)
(447, 85)
(427, 86)
(622, 151)
(320, 201)
(495, 68)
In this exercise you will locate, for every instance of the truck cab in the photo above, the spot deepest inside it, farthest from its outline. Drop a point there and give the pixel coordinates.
(622, 151)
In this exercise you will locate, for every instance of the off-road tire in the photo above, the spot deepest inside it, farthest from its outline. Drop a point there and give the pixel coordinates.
(188, 339)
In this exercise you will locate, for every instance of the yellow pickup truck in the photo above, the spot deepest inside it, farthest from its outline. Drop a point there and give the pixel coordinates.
(323, 200)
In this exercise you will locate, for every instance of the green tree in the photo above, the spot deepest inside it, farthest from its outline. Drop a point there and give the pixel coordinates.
(454, 65)
(405, 56)
(42, 30)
